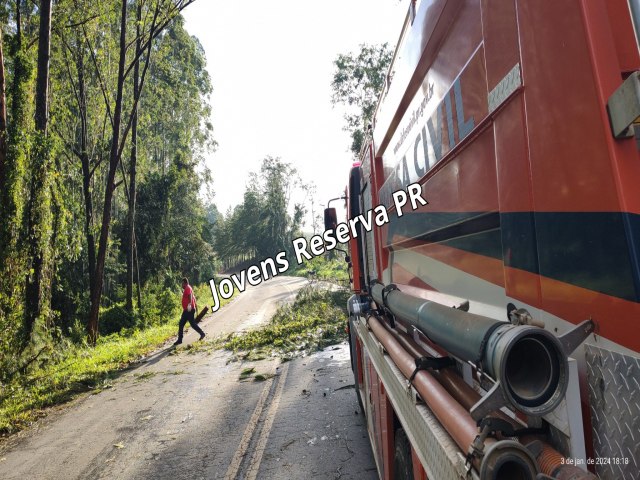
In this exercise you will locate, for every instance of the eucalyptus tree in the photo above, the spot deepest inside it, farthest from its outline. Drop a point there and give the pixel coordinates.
(175, 132)
(19, 23)
(358, 80)
(157, 15)
(3, 115)
(38, 212)
(267, 220)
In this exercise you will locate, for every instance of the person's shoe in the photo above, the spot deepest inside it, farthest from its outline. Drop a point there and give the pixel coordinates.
(202, 336)
(177, 342)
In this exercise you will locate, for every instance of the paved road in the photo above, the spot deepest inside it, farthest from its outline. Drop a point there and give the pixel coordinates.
(182, 415)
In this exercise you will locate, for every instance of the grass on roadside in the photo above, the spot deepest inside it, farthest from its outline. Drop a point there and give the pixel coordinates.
(80, 368)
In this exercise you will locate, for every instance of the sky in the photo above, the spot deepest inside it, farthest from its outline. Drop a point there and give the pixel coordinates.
(271, 66)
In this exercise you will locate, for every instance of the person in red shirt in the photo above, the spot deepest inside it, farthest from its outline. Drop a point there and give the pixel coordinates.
(189, 307)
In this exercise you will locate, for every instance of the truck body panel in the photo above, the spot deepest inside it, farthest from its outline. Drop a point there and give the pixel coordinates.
(498, 109)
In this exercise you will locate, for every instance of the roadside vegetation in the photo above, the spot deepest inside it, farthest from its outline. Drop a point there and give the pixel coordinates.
(328, 269)
(315, 320)
(74, 368)
(103, 134)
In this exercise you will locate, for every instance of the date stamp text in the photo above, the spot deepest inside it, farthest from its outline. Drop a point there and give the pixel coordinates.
(596, 461)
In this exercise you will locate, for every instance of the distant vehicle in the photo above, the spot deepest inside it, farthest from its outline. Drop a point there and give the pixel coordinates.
(495, 331)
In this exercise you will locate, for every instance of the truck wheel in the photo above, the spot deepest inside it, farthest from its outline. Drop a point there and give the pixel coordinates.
(402, 463)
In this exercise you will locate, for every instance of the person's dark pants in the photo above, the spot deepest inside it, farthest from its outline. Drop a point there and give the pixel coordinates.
(188, 317)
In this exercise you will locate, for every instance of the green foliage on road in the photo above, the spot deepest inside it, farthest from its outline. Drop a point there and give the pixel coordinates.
(326, 269)
(316, 319)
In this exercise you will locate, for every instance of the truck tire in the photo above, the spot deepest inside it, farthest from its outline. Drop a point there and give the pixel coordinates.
(402, 462)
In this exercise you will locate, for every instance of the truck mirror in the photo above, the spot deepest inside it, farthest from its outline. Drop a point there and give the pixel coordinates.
(330, 219)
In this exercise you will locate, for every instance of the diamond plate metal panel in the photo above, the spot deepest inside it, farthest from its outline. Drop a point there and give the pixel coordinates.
(509, 84)
(614, 396)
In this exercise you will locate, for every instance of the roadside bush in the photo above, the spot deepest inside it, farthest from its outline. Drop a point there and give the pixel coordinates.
(203, 295)
(159, 305)
(10, 321)
(322, 268)
(77, 333)
(116, 318)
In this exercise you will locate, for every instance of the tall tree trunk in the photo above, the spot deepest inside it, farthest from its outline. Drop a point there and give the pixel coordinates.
(3, 118)
(132, 169)
(44, 54)
(38, 212)
(114, 158)
(86, 170)
(135, 247)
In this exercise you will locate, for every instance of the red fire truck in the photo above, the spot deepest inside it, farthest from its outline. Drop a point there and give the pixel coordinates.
(495, 331)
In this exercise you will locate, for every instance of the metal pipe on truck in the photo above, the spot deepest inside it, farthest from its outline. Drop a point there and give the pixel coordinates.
(500, 460)
(551, 462)
(529, 363)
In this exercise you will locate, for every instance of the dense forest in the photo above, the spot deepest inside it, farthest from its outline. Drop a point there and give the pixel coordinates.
(103, 128)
